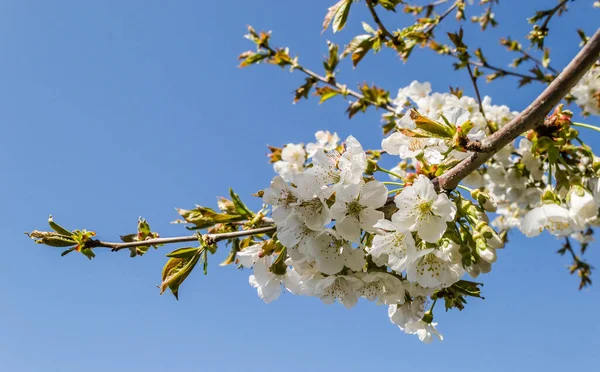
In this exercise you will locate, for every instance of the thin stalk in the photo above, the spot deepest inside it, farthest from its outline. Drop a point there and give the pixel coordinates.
(588, 126)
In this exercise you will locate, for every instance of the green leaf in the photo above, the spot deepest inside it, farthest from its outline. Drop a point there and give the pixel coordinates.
(129, 238)
(251, 58)
(51, 239)
(175, 272)
(186, 252)
(239, 205)
(389, 4)
(546, 58)
(88, 253)
(59, 229)
(326, 93)
(203, 217)
(64, 253)
(235, 248)
(368, 28)
(354, 43)
(362, 51)
(427, 128)
(359, 46)
(304, 89)
(338, 14)
(332, 60)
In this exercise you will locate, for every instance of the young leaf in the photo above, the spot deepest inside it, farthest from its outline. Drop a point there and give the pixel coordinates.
(186, 252)
(176, 271)
(304, 89)
(338, 14)
(59, 229)
(239, 205)
(326, 93)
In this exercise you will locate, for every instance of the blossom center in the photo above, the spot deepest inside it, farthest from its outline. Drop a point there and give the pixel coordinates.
(415, 144)
(425, 208)
(354, 208)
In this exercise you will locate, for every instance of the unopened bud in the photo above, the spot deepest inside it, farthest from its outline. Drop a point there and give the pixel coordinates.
(486, 201)
(484, 266)
(427, 317)
(371, 167)
(473, 271)
(549, 197)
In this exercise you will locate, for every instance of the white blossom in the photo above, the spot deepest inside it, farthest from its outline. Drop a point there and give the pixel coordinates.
(342, 288)
(433, 268)
(268, 285)
(587, 91)
(332, 254)
(355, 208)
(395, 248)
(411, 147)
(423, 210)
(382, 287)
(552, 217)
(582, 205)
(292, 161)
(425, 331)
(325, 141)
(407, 312)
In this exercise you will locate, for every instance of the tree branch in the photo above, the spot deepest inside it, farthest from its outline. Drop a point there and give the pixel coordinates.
(478, 95)
(332, 82)
(529, 118)
(429, 29)
(380, 24)
(213, 238)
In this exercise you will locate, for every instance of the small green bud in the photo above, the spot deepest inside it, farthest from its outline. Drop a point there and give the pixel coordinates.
(371, 167)
(428, 317)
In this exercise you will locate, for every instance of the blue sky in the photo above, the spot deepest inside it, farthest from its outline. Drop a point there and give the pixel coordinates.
(112, 110)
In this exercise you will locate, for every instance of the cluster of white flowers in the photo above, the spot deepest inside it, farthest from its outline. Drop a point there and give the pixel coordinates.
(342, 235)
(587, 91)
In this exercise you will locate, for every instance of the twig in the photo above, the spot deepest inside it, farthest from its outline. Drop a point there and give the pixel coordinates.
(499, 69)
(380, 24)
(342, 88)
(551, 14)
(180, 239)
(474, 81)
(429, 29)
(537, 61)
(432, 26)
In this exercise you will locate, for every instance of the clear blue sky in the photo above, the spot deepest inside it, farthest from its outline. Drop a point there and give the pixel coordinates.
(115, 109)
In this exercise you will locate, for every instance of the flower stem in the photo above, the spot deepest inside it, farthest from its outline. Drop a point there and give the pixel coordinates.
(388, 172)
(588, 126)
(464, 188)
(393, 183)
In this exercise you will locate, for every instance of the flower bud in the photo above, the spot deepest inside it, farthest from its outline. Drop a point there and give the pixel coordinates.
(493, 239)
(484, 266)
(473, 271)
(549, 197)
(371, 167)
(428, 317)
(486, 202)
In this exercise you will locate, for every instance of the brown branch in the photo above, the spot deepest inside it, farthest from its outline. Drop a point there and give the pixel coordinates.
(474, 81)
(214, 238)
(380, 24)
(429, 29)
(499, 69)
(387, 35)
(529, 118)
(551, 14)
(538, 62)
(343, 89)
